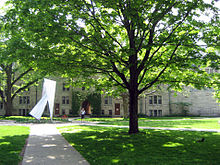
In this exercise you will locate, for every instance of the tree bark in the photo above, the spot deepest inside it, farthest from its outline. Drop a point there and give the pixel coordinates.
(133, 109)
(8, 107)
(8, 92)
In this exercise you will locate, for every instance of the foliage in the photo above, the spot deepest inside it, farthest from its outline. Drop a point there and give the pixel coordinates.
(132, 45)
(140, 115)
(95, 101)
(16, 74)
(101, 145)
(76, 102)
(12, 141)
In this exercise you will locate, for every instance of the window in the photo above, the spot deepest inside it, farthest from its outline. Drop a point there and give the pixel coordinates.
(23, 112)
(150, 99)
(210, 70)
(65, 100)
(1, 105)
(24, 100)
(159, 99)
(155, 113)
(65, 88)
(155, 99)
(63, 111)
(103, 112)
(110, 112)
(108, 100)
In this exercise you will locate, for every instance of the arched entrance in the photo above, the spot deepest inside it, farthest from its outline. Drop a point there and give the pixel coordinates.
(86, 105)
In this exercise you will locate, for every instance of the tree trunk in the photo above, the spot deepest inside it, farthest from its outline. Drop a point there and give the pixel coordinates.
(133, 109)
(8, 108)
(8, 92)
(8, 102)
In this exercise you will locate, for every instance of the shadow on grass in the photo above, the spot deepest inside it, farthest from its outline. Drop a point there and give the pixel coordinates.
(101, 145)
(10, 149)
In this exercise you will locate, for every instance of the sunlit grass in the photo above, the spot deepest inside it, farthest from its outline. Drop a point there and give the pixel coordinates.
(199, 123)
(12, 140)
(104, 145)
(126, 119)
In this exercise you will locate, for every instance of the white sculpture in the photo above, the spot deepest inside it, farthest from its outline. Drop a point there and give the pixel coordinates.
(48, 95)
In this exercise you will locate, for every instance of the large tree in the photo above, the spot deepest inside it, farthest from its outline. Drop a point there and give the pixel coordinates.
(134, 44)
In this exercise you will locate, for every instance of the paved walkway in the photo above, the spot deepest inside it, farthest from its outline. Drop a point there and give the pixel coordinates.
(47, 147)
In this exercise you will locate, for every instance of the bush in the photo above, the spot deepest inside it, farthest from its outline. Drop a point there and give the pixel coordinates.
(141, 115)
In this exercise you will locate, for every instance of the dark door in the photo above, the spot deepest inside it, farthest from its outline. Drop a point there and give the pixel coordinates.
(117, 109)
(57, 109)
(86, 105)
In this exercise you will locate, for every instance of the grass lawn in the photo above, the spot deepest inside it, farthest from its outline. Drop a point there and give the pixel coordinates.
(148, 118)
(106, 145)
(12, 140)
(30, 119)
(200, 123)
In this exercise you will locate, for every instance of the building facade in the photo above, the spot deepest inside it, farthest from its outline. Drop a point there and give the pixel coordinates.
(161, 103)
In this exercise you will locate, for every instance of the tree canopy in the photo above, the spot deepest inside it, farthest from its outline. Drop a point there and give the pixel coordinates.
(133, 44)
(16, 74)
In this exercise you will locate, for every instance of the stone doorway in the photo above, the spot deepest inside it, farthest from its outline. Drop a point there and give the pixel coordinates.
(87, 106)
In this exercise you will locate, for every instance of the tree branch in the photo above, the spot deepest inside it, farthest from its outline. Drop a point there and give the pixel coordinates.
(21, 75)
(121, 75)
(94, 17)
(117, 81)
(24, 87)
(161, 72)
(150, 42)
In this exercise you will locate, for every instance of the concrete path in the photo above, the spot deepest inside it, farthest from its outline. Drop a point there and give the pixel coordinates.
(47, 147)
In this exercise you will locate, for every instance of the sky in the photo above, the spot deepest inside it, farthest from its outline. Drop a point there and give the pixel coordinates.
(2, 2)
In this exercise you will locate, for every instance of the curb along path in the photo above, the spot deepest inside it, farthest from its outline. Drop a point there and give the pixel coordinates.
(47, 147)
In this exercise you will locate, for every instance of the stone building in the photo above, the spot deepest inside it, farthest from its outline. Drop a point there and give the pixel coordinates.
(25, 101)
(161, 103)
